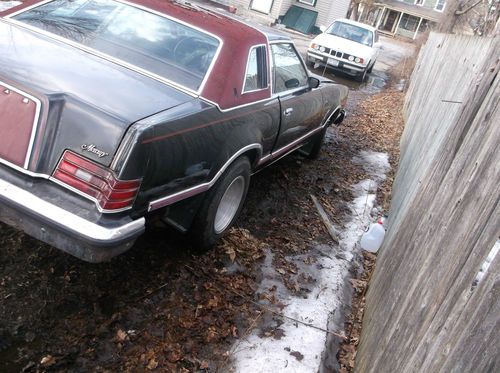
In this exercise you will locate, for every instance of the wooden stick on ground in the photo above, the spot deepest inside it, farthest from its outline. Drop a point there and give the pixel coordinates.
(326, 220)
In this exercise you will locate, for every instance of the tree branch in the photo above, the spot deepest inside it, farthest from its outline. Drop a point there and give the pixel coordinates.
(463, 11)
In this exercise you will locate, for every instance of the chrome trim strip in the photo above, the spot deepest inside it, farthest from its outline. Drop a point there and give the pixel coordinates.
(34, 128)
(69, 221)
(290, 147)
(183, 194)
(281, 152)
(161, 79)
(22, 170)
(239, 106)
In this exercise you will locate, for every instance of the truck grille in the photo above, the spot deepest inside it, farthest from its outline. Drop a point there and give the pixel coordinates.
(19, 114)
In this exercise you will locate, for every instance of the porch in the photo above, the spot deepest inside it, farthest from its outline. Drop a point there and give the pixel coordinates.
(395, 22)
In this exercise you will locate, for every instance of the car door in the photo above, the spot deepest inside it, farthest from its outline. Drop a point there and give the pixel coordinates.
(301, 106)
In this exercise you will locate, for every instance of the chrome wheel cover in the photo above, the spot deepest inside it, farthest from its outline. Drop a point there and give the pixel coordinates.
(229, 204)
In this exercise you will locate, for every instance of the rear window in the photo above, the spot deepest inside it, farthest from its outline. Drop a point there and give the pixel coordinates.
(154, 43)
(351, 32)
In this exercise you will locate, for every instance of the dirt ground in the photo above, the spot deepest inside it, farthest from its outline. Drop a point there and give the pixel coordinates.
(163, 306)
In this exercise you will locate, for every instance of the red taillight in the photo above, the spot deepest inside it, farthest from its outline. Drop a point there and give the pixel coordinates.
(96, 181)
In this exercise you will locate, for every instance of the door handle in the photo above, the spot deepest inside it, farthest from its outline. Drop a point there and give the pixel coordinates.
(288, 112)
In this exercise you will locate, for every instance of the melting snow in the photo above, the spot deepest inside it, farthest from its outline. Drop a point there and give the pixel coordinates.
(331, 270)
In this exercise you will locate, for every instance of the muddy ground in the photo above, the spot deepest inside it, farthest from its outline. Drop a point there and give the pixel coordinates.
(163, 306)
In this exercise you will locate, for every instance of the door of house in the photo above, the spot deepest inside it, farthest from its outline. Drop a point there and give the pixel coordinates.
(389, 21)
(263, 6)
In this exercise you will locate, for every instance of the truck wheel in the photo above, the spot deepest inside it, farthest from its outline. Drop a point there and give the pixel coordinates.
(222, 204)
(313, 148)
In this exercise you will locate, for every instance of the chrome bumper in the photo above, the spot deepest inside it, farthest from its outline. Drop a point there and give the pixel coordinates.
(50, 223)
(322, 59)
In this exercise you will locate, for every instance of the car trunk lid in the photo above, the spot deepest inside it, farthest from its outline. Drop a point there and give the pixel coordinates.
(84, 100)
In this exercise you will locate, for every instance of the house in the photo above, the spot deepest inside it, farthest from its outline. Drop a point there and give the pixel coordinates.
(305, 16)
(406, 18)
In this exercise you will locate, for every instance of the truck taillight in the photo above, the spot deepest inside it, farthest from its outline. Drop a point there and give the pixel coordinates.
(96, 181)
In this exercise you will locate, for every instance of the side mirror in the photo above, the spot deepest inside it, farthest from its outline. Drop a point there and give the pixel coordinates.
(292, 83)
(378, 45)
(313, 82)
(322, 28)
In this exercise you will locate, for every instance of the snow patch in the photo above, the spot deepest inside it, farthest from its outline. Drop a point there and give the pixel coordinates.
(330, 271)
(376, 164)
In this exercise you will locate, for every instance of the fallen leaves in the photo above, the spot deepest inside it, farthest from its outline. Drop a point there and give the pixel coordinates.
(348, 349)
(152, 364)
(297, 355)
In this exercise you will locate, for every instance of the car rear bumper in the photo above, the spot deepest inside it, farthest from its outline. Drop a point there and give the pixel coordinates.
(62, 222)
(334, 63)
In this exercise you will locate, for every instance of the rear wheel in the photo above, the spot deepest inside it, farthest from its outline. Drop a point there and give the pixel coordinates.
(222, 204)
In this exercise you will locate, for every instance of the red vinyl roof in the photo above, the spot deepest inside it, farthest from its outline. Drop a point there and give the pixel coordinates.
(225, 81)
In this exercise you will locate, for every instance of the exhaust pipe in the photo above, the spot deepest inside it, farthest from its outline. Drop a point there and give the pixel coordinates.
(340, 117)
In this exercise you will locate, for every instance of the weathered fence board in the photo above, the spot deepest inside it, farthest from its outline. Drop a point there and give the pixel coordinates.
(421, 314)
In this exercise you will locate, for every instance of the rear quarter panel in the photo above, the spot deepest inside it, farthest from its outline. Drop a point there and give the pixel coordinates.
(187, 145)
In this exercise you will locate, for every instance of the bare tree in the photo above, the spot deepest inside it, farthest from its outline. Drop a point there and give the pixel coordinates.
(479, 16)
(356, 6)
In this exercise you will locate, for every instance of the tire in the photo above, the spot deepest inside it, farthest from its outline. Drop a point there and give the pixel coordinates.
(361, 77)
(222, 205)
(313, 148)
(371, 67)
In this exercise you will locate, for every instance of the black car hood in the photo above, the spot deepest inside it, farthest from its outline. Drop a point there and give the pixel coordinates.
(86, 99)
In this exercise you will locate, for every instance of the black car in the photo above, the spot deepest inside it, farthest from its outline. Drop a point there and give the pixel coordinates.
(112, 111)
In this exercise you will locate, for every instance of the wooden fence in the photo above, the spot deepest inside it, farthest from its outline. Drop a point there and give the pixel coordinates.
(423, 313)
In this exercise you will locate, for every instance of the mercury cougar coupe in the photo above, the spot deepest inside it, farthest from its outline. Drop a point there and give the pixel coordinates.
(112, 112)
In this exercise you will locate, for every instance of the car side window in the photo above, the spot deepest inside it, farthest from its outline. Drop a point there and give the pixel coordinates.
(288, 70)
(376, 37)
(256, 71)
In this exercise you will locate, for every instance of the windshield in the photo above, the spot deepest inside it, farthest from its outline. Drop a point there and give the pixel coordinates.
(154, 43)
(351, 32)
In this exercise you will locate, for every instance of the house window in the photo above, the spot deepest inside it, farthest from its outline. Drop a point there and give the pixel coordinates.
(308, 2)
(263, 6)
(409, 23)
(419, 2)
(440, 5)
(256, 72)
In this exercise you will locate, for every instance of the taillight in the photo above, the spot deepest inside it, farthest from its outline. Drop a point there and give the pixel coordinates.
(96, 181)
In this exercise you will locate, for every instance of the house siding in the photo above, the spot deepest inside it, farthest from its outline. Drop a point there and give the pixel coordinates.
(246, 4)
(328, 10)
(430, 4)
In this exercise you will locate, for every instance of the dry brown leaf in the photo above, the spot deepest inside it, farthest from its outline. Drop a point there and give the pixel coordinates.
(152, 364)
(121, 335)
(48, 360)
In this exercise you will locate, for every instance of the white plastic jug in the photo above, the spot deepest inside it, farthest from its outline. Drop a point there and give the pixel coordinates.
(373, 238)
